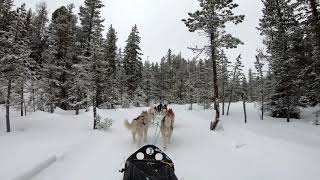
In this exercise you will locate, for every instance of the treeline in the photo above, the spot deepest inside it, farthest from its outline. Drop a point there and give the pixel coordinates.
(66, 62)
(291, 31)
(69, 62)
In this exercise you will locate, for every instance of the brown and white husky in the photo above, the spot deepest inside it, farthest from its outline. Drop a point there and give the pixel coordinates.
(140, 125)
(166, 128)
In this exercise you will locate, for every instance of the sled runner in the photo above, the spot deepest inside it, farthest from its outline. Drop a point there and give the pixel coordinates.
(149, 163)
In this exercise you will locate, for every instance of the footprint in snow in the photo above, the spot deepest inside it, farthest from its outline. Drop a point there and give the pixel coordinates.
(240, 146)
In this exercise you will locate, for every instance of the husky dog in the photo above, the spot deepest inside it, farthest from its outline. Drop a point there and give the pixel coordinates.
(140, 125)
(152, 113)
(166, 128)
(164, 109)
(158, 108)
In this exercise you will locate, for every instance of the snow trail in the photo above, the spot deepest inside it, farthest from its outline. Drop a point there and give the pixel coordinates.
(262, 150)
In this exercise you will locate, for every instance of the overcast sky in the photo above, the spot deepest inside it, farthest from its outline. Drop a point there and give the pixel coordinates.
(160, 26)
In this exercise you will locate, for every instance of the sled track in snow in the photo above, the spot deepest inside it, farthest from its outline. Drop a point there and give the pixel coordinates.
(37, 169)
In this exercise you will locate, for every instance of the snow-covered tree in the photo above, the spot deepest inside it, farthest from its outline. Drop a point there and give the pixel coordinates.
(191, 82)
(62, 34)
(283, 37)
(260, 80)
(236, 74)
(92, 43)
(132, 62)
(110, 58)
(38, 44)
(202, 84)
(148, 83)
(309, 15)
(223, 72)
(212, 18)
(14, 53)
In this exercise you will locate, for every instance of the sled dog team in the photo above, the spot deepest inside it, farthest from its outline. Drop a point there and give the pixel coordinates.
(140, 125)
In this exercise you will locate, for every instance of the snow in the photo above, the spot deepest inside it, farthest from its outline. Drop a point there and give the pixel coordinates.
(264, 150)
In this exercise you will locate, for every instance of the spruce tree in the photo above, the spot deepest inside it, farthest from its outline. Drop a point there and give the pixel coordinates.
(61, 33)
(92, 43)
(132, 62)
(202, 84)
(251, 86)
(110, 58)
(212, 18)
(148, 83)
(39, 34)
(310, 17)
(14, 54)
(260, 80)
(283, 38)
(38, 45)
(236, 74)
(223, 77)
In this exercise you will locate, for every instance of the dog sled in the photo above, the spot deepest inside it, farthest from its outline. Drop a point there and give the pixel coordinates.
(149, 163)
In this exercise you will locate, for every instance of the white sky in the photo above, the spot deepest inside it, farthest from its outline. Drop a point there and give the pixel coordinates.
(161, 28)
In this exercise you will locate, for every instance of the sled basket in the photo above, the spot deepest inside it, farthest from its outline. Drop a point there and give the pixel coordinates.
(149, 163)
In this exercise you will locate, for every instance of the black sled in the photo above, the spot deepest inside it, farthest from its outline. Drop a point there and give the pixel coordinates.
(149, 163)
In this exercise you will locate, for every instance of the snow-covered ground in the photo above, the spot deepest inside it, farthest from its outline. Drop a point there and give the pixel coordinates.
(265, 150)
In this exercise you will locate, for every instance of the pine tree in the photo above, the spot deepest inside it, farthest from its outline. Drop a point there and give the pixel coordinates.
(310, 17)
(39, 34)
(14, 54)
(62, 32)
(156, 69)
(234, 84)
(27, 66)
(120, 79)
(202, 84)
(212, 19)
(91, 32)
(132, 62)
(7, 58)
(110, 58)
(251, 86)
(260, 79)
(78, 80)
(38, 45)
(223, 77)
(148, 83)
(169, 76)
(244, 95)
(181, 78)
(191, 82)
(283, 38)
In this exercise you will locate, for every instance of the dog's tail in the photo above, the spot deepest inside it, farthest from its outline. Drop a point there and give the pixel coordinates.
(127, 124)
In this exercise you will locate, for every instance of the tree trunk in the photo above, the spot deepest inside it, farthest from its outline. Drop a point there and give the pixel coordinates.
(51, 108)
(33, 98)
(214, 124)
(21, 101)
(229, 103)
(288, 109)
(25, 109)
(244, 108)
(98, 93)
(232, 87)
(223, 97)
(262, 101)
(94, 113)
(78, 100)
(8, 106)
